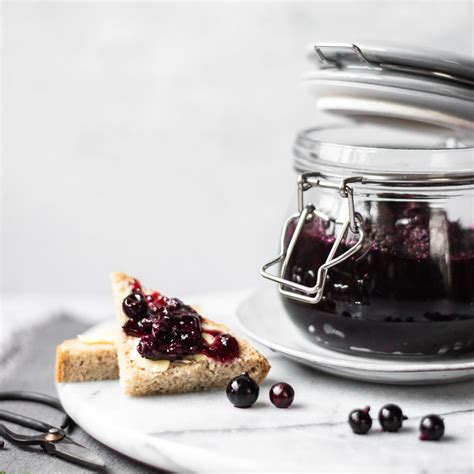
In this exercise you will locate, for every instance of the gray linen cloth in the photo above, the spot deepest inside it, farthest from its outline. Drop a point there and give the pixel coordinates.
(27, 363)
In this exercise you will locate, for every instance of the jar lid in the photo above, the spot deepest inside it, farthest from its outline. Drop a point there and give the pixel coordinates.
(393, 84)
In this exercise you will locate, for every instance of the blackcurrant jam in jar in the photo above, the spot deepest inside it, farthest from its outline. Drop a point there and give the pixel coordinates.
(377, 260)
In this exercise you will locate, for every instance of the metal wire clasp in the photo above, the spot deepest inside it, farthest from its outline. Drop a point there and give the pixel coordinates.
(306, 213)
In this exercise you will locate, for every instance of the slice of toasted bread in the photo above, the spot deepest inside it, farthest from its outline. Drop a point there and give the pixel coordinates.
(79, 361)
(140, 376)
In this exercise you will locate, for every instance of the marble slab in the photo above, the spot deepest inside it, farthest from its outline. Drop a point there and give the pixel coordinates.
(203, 432)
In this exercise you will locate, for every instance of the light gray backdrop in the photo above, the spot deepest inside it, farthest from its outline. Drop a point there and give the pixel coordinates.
(155, 138)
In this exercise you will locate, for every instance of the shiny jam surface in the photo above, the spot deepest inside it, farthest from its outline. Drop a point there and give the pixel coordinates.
(408, 291)
(172, 330)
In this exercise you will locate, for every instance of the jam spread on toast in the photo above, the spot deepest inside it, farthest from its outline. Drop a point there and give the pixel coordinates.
(171, 330)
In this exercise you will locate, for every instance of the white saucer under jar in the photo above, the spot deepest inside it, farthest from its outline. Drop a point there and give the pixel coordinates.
(379, 257)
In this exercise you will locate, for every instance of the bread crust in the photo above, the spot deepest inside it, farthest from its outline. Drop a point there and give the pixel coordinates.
(77, 361)
(196, 373)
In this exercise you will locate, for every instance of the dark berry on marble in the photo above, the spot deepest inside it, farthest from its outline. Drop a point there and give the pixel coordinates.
(242, 391)
(391, 417)
(360, 421)
(282, 395)
(431, 428)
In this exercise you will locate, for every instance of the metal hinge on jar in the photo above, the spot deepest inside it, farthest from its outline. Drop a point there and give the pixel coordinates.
(306, 213)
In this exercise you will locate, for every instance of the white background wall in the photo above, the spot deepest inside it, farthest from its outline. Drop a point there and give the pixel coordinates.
(155, 138)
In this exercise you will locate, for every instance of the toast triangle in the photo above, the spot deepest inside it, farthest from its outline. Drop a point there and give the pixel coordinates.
(140, 376)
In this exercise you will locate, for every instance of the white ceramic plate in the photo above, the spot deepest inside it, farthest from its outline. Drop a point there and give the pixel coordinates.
(263, 318)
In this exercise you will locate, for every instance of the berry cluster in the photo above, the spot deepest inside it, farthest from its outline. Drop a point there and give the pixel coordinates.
(242, 391)
(169, 329)
(391, 419)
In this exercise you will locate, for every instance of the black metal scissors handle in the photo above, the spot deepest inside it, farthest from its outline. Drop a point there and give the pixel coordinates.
(23, 395)
(29, 423)
(52, 440)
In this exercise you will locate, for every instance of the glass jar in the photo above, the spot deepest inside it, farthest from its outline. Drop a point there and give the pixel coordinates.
(378, 260)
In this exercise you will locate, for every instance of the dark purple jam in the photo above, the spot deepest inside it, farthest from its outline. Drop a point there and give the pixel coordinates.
(408, 291)
(171, 330)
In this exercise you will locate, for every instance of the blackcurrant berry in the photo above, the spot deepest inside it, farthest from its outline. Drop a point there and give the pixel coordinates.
(360, 421)
(282, 395)
(135, 306)
(391, 417)
(431, 428)
(242, 391)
